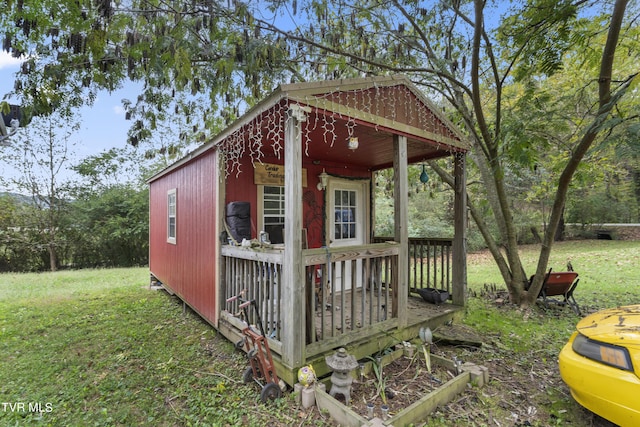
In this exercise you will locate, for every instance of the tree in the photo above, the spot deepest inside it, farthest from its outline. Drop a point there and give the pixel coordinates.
(187, 51)
(13, 257)
(449, 50)
(111, 228)
(41, 153)
(110, 215)
(200, 61)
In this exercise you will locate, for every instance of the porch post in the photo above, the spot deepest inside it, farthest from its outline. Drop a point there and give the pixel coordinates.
(459, 273)
(401, 230)
(293, 284)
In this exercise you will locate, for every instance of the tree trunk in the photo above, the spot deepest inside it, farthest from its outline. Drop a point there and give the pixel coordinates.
(536, 234)
(502, 212)
(606, 104)
(53, 258)
(559, 236)
(478, 218)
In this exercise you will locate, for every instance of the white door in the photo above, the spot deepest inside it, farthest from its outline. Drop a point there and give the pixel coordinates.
(347, 222)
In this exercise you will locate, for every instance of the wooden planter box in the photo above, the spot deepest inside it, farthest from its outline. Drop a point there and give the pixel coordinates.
(418, 410)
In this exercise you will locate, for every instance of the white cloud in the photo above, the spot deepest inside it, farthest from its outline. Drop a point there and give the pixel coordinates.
(8, 61)
(118, 110)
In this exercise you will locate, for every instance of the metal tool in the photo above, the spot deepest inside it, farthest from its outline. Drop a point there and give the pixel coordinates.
(261, 368)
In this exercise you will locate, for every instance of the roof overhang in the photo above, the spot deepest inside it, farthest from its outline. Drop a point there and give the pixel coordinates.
(374, 126)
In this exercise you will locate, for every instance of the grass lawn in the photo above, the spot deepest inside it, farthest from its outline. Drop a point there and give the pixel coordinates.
(608, 270)
(98, 347)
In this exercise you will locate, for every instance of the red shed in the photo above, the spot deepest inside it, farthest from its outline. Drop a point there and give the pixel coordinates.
(293, 179)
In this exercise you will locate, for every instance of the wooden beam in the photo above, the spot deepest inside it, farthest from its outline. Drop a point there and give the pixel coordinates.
(374, 250)
(342, 414)
(382, 331)
(459, 273)
(293, 280)
(401, 231)
(444, 394)
(220, 185)
(272, 255)
(339, 110)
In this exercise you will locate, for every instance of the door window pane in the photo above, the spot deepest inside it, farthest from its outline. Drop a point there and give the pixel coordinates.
(345, 214)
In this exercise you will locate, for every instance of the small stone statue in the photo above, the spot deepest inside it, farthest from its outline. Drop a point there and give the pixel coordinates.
(341, 364)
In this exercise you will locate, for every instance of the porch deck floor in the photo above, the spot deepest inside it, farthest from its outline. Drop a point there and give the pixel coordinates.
(419, 313)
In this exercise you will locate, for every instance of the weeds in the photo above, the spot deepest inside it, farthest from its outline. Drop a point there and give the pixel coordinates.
(381, 381)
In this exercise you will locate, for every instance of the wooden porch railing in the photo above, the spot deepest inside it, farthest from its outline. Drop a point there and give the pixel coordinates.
(346, 289)
(353, 288)
(254, 275)
(429, 262)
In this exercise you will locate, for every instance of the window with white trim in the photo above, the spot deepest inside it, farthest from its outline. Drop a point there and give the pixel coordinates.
(273, 212)
(171, 216)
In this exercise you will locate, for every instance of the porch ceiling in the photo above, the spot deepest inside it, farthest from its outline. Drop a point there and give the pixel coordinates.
(375, 150)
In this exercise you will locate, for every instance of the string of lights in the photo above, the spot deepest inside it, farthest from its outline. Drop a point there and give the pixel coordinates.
(372, 104)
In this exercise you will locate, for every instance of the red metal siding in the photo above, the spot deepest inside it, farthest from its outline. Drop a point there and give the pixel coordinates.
(243, 188)
(188, 267)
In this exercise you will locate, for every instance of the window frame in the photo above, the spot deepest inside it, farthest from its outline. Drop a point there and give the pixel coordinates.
(172, 195)
(345, 226)
(261, 207)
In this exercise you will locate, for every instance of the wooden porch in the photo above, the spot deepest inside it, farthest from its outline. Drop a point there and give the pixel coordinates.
(323, 143)
(368, 287)
(361, 310)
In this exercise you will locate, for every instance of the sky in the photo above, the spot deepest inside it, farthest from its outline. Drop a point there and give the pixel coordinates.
(103, 125)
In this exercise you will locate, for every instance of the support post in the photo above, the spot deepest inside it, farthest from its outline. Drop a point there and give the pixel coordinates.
(401, 231)
(459, 273)
(220, 188)
(293, 282)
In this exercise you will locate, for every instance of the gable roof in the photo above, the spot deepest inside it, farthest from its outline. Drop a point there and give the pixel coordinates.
(393, 102)
(373, 108)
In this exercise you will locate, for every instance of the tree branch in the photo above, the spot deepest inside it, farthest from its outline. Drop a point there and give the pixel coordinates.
(607, 101)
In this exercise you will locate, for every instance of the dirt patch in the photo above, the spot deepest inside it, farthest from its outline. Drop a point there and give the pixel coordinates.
(399, 384)
(523, 389)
